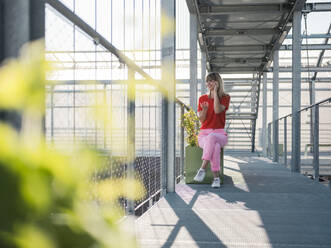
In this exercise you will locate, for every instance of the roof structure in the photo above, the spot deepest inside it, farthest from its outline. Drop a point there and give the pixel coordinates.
(239, 36)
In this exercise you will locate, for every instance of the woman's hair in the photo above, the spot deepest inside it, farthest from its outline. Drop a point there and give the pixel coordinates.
(217, 77)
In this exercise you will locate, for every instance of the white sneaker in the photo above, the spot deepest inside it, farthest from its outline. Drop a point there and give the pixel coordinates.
(200, 175)
(216, 183)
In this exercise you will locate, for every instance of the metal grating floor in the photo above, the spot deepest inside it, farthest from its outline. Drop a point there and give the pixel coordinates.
(261, 204)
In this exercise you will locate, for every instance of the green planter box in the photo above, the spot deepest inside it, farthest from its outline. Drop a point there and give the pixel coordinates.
(193, 162)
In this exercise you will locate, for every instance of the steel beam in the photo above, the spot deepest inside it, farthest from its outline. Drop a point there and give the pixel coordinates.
(241, 9)
(168, 52)
(234, 32)
(275, 103)
(193, 61)
(307, 47)
(191, 6)
(317, 7)
(283, 26)
(296, 92)
(312, 36)
(303, 69)
(239, 70)
(239, 48)
(236, 60)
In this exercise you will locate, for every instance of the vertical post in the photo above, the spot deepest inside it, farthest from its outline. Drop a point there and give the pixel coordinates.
(296, 91)
(182, 141)
(316, 142)
(22, 21)
(203, 72)
(131, 149)
(312, 101)
(275, 103)
(285, 141)
(264, 115)
(168, 49)
(52, 113)
(193, 61)
(269, 140)
(105, 128)
(254, 110)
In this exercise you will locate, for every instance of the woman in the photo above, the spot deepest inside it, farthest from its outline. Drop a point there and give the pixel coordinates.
(211, 112)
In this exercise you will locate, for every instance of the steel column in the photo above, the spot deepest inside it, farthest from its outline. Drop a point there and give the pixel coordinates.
(316, 143)
(21, 21)
(254, 109)
(296, 91)
(285, 141)
(311, 102)
(264, 115)
(275, 103)
(203, 72)
(168, 51)
(193, 61)
(269, 140)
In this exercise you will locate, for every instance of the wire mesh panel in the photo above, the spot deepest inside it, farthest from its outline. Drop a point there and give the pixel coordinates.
(281, 141)
(322, 122)
(306, 142)
(289, 140)
(179, 143)
(148, 145)
(87, 98)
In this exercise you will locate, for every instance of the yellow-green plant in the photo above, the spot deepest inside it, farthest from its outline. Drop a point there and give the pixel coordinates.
(191, 125)
(48, 199)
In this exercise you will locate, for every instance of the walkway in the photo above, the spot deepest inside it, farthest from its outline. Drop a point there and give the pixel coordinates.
(261, 204)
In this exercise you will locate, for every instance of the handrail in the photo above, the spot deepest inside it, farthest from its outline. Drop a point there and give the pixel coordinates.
(182, 104)
(313, 143)
(306, 108)
(318, 103)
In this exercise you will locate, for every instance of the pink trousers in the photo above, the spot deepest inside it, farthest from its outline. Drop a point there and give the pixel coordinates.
(211, 141)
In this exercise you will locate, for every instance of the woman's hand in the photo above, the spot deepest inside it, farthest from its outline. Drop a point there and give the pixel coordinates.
(204, 106)
(216, 87)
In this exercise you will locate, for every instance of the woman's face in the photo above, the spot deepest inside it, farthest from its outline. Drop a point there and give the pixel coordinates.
(211, 84)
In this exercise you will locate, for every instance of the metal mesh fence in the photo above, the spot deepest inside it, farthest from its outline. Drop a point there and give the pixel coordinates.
(313, 128)
(88, 76)
(324, 146)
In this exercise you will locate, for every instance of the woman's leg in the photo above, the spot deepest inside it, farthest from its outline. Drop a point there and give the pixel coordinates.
(202, 142)
(218, 140)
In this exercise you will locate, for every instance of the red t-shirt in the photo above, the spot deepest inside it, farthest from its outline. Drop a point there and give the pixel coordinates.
(214, 121)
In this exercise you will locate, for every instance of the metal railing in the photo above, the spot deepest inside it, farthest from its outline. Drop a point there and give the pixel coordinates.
(132, 148)
(315, 136)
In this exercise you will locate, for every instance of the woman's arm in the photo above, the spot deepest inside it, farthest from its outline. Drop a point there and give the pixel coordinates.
(218, 107)
(203, 113)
